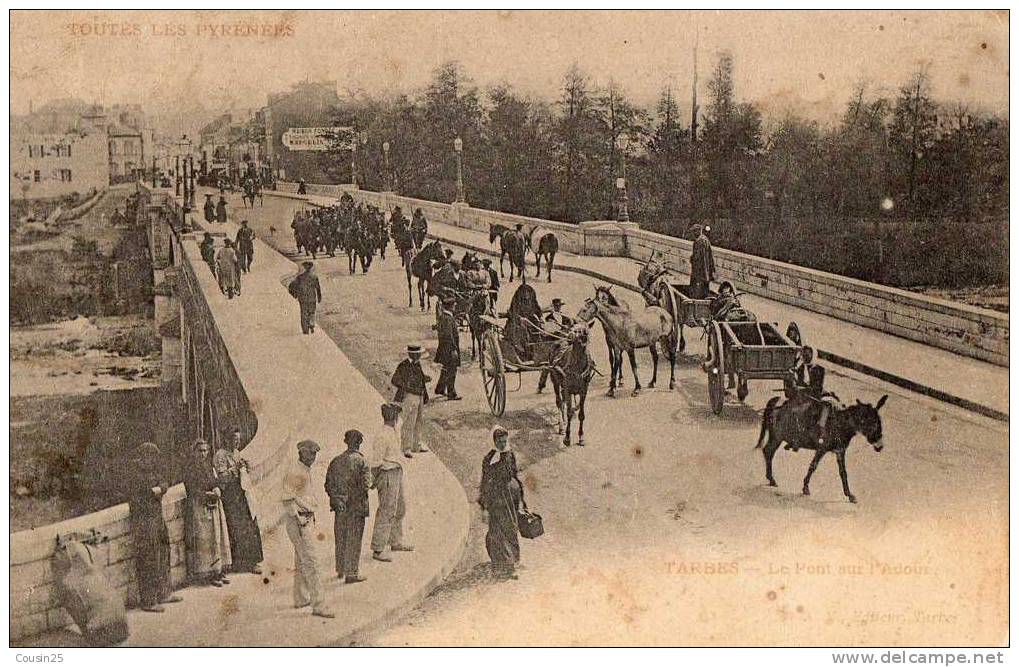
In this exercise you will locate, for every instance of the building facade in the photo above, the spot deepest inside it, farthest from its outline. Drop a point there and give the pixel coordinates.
(53, 165)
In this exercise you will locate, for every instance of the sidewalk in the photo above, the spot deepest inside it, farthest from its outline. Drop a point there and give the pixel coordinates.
(969, 383)
(303, 386)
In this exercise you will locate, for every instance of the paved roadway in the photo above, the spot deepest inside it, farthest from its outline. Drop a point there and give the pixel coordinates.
(663, 531)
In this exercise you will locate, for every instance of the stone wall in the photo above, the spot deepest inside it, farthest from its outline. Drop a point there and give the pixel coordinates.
(967, 330)
(212, 397)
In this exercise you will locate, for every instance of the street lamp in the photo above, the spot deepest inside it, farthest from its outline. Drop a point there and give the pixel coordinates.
(623, 213)
(458, 148)
(385, 156)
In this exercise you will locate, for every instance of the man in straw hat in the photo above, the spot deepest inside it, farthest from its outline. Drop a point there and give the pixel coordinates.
(412, 394)
(299, 507)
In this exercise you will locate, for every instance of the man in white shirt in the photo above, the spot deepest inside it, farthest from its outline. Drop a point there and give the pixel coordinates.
(299, 505)
(385, 457)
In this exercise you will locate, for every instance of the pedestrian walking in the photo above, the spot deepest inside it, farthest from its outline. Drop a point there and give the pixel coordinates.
(448, 352)
(245, 537)
(299, 516)
(412, 394)
(388, 474)
(208, 249)
(221, 209)
(206, 538)
(150, 537)
(702, 264)
(228, 270)
(347, 482)
(308, 292)
(210, 209)
(500, 498)
(245, 246)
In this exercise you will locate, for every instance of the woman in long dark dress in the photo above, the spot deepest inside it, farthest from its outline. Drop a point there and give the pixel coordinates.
(205, 530)
(245, 540)
(500, 498)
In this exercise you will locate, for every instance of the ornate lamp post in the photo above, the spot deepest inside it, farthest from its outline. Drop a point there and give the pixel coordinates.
(153, 171)
(353, 158)
(623, 213)
(458, 148)
(176, 175)
(385, 156)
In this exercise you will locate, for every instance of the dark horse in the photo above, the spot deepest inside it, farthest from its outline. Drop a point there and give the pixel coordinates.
(780, 424)
(421, 268)
(513, 244)
(547, 247)
(572, 369)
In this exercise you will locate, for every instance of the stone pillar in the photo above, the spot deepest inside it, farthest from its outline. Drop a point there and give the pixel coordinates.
(605, 238)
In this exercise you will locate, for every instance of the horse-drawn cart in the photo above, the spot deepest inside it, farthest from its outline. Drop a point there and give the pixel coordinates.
(746, 351)
(498, 357)
(685, 310)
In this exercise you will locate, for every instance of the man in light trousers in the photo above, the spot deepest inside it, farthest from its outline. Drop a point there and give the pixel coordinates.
(412, 394)
(299, 515)
(388, 472)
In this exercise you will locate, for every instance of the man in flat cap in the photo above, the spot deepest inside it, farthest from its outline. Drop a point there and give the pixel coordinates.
(299, 507)
(388, 474)
(347, 483)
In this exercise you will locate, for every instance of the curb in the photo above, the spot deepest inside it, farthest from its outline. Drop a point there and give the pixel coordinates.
(839, 360)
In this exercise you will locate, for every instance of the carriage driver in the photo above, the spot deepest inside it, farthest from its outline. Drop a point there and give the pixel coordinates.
(557, 323)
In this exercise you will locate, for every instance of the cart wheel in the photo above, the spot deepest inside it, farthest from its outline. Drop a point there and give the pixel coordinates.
(493, 373)
(742, 389)
(716, 372)
(667, 300)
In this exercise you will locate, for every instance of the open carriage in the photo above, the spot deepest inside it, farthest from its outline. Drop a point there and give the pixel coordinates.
(746, 351)
(499, 356)
(658, 282)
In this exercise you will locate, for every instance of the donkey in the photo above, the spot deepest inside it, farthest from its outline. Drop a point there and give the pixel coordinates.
(572, 369)
(780, 424)
(628, 331)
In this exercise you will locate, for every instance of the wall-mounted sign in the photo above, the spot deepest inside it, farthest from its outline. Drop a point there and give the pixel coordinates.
(319, 138)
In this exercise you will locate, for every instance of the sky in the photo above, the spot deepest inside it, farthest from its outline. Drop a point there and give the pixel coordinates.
(799, 60)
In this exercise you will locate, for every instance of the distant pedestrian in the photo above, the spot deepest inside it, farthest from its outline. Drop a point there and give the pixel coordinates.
(388, 472)
(702, 264)
(347, 482)
(308, 292)
(210, 209)
(448, 352)
(206, 538)
(493, 277)
(299, 507)
(228, 270)
(221, 209)
(208, 250)
(412, 394)
(302, 189)
(150, 537)
(245, 538)
(245, 246)
(500, 498)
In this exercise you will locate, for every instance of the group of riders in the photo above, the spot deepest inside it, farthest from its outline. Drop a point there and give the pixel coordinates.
(359, 230)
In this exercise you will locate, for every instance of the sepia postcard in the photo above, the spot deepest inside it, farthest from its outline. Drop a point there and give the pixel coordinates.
(516, 328)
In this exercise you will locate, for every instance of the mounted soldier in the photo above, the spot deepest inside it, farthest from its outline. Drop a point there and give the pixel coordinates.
(418, 228)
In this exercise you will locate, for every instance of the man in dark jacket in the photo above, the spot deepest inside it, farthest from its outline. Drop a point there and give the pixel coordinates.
(493, 277)
(448, 353)
(702, 265)
(560, 324)
(210, 209)
(412, 394)
(245, 246)
(347, 482)
(308, 292)
(208, 250)
(419, 228)
(221, 209)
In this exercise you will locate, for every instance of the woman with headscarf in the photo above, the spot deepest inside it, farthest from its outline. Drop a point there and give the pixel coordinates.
(228, 270)
(151, 540)
(500, 498)
(245, 539)
(205, 532)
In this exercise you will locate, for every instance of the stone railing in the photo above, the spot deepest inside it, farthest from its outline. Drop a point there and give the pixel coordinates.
(967, 330)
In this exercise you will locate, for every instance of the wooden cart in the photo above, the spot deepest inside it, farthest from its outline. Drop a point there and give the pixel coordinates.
(498, 358)
(747, 351)
(685, 311)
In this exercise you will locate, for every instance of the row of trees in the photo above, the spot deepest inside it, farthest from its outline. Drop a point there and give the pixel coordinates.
(902, 190)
